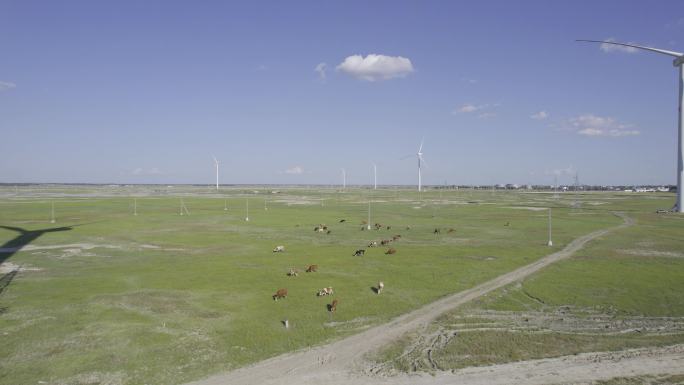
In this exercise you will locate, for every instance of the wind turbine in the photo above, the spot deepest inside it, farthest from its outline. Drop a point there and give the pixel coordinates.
(678, 61)
(375, 176)
(419, 154)
(344, 179)
(216, 164)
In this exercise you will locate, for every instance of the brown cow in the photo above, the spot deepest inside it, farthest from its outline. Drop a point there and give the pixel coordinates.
(391, 250)
(312, 269)
(385, 242)
(333, 306)
(394, 238)
(451, 230)
(281, 293)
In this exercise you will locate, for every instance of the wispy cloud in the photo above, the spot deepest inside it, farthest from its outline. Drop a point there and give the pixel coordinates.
(570, 170)
(6, 85)
(296, 170)
(469, 80)
(140, 171)
(541, 115)
(599, 126)
(617, 48)
(376, 67)
(320, 69)
(482, 111)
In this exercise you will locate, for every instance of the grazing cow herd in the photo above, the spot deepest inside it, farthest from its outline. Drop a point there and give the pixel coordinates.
(328, 291)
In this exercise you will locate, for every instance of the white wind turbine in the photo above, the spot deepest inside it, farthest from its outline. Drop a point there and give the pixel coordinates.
(419, 155)
(678, 61)
(375, 176)
(216, 164)
(344, 179)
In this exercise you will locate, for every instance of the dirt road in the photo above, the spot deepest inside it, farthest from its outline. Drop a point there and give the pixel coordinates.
(342, 361)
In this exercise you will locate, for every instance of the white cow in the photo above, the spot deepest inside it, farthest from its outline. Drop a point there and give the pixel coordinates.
(325, 291)
(279, 249)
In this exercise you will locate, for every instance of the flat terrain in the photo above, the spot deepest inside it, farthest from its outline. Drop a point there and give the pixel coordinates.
(103, 296)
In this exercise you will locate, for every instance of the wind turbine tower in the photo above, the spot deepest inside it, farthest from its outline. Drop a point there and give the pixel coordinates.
(216, 164)
(419, 154)
(344, 179)
(375, 176)
(678, 61)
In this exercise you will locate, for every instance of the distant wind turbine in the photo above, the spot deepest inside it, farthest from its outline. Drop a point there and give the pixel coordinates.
(678, 61)
(375, 176)
(344, 179)
(216, 164)
(419, 155)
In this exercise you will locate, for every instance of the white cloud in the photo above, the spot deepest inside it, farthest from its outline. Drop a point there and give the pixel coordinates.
(376, 67)
(296, 170)
(541, 115)
(321, 68)
(593, 125)
(562, 171)
(466, 108)
(6, 85)
(484, 111)
(617, 48)
(469, 80)
(143, 171)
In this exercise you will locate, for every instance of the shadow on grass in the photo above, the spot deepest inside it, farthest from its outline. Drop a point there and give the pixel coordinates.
(24, 238)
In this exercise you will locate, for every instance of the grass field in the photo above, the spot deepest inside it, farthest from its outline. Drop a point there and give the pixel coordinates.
(161, 298)
(621, 291)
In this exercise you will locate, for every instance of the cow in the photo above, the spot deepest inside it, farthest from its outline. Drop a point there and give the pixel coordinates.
(293, 272)
(451, 230)
(279, 249)
(437, 231)
(312, 268)
(385, 242)
(381, 285)
(318, 229)
(281, 293)
(391, 250)
(328, 232)
(325, 291)
(342, 220)
(359, 252)
(333, 306)
(394, 238)
(373, 244)
(389, 227)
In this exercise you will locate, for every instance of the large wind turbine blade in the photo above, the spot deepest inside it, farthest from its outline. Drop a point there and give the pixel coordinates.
(422, 161)
(420, 149)
(215, 160)
(658, 50)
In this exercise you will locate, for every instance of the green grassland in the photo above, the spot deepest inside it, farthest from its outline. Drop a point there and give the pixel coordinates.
(633, 277)
(161, 298)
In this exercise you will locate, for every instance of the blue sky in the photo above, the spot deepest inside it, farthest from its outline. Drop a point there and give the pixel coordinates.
(146, 92)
